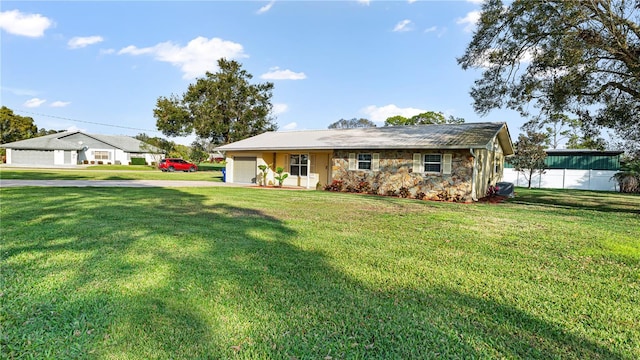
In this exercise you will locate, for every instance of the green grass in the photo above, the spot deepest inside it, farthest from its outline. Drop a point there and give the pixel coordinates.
(132, 273)
(111, 172)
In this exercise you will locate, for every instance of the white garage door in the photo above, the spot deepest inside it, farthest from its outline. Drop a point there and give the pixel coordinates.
(245, 170)
(32, 157)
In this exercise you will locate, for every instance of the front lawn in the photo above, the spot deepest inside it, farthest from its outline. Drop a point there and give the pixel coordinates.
(148, 273)
(110, 172)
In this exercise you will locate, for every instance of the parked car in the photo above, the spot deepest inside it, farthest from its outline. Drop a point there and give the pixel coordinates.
(172, 165)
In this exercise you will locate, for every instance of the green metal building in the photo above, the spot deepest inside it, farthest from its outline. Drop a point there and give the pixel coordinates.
(577, 159)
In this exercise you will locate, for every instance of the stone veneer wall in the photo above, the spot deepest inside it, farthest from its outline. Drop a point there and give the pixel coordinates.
(396, 171)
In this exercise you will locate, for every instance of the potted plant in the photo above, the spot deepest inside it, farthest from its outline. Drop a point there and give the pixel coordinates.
(281, 175)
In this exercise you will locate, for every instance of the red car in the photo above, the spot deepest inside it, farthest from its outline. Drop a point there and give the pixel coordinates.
(176, 164)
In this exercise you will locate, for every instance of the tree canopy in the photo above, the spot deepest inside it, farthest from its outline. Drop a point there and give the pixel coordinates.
(573, 56)
(426, 118)
(560, 129)
(15, 127)
(223, 107)
(353, 123)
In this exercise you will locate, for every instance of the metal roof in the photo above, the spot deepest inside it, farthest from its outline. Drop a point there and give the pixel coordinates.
(441, 136)
(57, 142)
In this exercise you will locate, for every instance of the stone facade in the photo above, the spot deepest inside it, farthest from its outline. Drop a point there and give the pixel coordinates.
(396, 173)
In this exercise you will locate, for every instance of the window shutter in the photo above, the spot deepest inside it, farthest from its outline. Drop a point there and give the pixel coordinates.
(446, 163)
(352, 161)
(417, 162)
(375, 162)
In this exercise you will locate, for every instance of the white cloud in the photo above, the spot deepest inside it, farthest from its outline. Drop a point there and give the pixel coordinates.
(364, 2)
(380, 114)
(404, 25)
(431, 29)
(20, 92)
(197, 57)
(280, 109)
(33, 103)
(17, 23)
(80, 42)
(412, 1)
(276, 74)
(469, 21)
(60, 103)
(477, 2)
(266, 8)
(290, 126)
(75, 128)
(107, 51)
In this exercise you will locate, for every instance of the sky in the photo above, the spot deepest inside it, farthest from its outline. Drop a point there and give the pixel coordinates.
(100, 66)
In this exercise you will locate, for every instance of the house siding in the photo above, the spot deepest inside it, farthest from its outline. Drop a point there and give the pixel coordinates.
(396, 171)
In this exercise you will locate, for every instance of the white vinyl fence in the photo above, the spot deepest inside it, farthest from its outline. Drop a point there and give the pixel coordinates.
(566, 179)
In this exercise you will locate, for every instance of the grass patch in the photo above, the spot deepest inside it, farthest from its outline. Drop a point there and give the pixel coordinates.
(108, 172)
(249, 273)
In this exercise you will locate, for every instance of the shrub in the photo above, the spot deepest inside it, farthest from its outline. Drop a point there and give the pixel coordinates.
(364, 187)
(420, 195)
(100, 162)
(404, 192)
(629, 177)
(390, 192)
(92, 162)
(492, 191)
(281, 175)
(138, 161)
(336, 185)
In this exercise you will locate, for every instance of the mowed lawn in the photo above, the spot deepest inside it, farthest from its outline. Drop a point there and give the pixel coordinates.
(207, 172)
(148, 273)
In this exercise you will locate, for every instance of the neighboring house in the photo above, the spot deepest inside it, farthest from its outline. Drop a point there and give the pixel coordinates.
(76, 147)
(573, 169)
(451, 161)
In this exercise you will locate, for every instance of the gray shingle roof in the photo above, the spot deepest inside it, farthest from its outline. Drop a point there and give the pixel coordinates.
(47, 142)
(444, 136)
(57, 142)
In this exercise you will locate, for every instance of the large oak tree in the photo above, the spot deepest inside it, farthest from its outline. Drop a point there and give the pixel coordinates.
(579, 56)
(15, 127)
(223, 107)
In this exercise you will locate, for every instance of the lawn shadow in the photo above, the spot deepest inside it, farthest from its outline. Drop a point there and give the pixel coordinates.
(172, 274)
(8, 174)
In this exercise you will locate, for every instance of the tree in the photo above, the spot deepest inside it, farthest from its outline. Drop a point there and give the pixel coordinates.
(560, 129)
(573, 56)
(426, 118)
(43, 132)
(15, 127)
(529, 155)
(222, 107)
(353, 123)
(197, 152)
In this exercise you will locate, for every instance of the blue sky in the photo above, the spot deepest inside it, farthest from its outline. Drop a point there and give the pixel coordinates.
(101, 66)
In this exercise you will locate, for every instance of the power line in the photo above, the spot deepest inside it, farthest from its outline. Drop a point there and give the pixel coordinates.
(86, 122)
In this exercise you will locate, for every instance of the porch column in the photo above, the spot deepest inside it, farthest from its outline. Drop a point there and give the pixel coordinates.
(308, 170)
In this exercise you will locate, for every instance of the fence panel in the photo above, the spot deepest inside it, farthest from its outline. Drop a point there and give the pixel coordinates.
(566, 179)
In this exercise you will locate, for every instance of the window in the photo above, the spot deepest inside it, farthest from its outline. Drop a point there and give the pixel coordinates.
(364, 161)
(101, 155)
(298, 165)
(432, 163)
